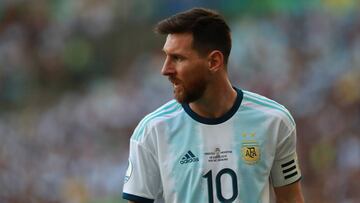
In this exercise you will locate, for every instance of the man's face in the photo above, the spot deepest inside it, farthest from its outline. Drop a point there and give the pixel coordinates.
(185, 68)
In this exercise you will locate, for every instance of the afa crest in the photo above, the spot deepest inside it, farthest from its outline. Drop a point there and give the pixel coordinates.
(250, 152)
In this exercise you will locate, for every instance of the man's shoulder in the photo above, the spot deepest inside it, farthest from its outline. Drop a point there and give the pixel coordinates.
(166, 109)
(164, 112)
(260, 99)
(161, 114)
(265, 105)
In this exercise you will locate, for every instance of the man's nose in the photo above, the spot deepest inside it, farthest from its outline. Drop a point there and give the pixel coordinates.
(168, 67)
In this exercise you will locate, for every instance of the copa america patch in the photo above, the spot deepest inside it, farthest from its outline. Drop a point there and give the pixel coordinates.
(128, 172)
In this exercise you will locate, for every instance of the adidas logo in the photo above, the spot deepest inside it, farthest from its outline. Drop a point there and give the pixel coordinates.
(189, 157)
(289, 169)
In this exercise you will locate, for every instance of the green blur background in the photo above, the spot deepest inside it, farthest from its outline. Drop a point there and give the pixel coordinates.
(76, 76)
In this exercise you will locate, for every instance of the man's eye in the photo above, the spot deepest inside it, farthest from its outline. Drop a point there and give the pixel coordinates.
(177, 58)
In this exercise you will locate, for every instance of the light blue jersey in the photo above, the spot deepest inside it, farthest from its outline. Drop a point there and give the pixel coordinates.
(181, 157)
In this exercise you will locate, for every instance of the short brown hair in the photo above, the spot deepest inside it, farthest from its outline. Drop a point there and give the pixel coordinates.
(209, 29)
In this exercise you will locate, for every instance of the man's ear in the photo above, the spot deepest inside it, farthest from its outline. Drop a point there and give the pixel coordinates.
(216, 61)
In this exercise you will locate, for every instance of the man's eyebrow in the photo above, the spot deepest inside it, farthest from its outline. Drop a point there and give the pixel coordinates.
(173, 54)
(177, 55)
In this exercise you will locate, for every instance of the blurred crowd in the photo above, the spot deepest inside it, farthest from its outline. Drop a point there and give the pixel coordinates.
(77, 76)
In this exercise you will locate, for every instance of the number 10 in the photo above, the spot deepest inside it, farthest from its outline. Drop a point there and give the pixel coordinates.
(219, 195)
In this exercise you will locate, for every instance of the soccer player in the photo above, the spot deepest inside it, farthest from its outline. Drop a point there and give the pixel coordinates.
(214, 142)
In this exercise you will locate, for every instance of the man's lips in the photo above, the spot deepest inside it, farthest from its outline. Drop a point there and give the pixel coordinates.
(174, 81)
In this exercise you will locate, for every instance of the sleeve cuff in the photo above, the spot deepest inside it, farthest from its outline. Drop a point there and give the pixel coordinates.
(136, 199)
(285, 171)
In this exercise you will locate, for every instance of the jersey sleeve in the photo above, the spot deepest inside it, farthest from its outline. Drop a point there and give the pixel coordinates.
(142, 180)
(285, 169)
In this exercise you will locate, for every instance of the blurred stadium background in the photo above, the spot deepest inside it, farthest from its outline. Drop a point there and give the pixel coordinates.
(76, 76)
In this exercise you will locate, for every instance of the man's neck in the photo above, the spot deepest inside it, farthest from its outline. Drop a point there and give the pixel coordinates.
(216, 101)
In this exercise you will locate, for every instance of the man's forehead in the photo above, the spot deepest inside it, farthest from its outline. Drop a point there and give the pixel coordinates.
(178, 41)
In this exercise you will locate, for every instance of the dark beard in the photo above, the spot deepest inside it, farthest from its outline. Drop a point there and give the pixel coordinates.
(191, 92)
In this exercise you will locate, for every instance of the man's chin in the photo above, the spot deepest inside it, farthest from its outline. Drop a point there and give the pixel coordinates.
(178, 95)
(182, 97)
(179, 98)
